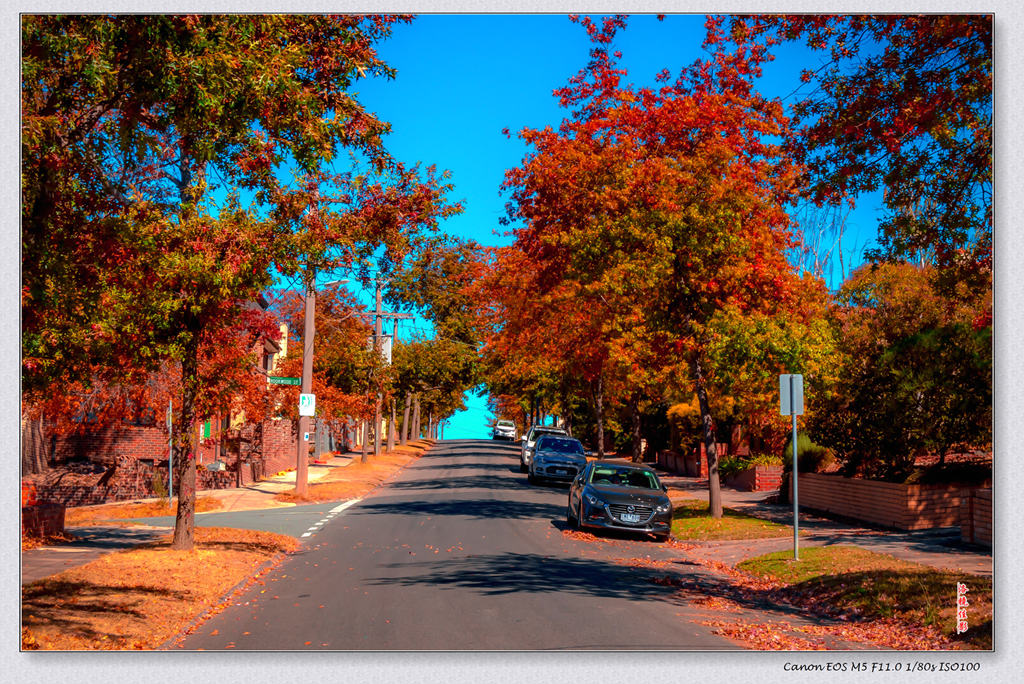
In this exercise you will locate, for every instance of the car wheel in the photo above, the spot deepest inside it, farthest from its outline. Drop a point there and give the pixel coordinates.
(523, 468)
(531, 478)
(569, 518)
(661, 538)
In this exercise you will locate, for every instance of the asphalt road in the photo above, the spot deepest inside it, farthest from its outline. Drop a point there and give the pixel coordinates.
(458, 552)
(291, 520)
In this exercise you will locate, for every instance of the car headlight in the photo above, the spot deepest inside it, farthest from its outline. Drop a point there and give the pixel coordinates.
(663, 508)
(594, 501)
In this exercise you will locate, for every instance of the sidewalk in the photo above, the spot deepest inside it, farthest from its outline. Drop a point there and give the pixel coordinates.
(93, 541)
(261, 494)
(939, 548)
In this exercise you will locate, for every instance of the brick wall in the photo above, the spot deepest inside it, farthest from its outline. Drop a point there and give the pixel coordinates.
(128, 480)
(266, 449)
(976, 517)
(692, 464)
(118, 462)
(109, 444)
(889, 504)
(758, 478)
(42, 519)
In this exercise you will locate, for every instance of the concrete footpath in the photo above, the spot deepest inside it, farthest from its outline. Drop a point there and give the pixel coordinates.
(939, 548)
(93, 541)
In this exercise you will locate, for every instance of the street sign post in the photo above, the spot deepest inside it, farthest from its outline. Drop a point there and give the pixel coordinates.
(273, 380)
(307, 404)
(791, 403)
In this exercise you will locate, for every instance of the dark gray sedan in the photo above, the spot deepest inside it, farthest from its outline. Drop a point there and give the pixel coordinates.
(620, 496)
(556, 457)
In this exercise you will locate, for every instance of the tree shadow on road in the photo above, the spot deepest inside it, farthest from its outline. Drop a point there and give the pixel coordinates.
(481, 481)
(480, 509)
(509, 573)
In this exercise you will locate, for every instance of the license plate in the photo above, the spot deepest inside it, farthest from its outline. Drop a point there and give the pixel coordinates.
(630, 517)
(561, 471)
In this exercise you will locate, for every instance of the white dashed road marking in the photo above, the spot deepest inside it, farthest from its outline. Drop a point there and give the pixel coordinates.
(333, 512)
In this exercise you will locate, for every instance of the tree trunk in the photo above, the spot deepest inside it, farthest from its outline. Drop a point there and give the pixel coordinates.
(636, 438)
(405, 418)
(714, 488)
(392, 428)
(597, 394)
(416, 417)
(378, 417)
(363, 441)
(185, 450)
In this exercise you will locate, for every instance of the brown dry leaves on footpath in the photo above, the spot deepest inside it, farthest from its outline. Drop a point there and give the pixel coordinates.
(357, 479)
(140, 598)
(123, 512)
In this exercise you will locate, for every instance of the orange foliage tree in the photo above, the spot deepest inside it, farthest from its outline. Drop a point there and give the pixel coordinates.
(668, 205)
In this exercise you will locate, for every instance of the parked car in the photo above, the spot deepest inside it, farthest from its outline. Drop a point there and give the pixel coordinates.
(556, 457)
(530, 438)
(504, 429)
(620, 496)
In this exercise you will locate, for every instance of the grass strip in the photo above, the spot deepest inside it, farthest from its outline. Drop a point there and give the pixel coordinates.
(691, 521)
(865, 585)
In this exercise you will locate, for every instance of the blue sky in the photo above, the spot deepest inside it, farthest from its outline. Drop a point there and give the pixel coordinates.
(462, 79)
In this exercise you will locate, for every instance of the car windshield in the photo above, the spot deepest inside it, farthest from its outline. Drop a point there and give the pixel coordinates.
(565, 446)
(624, 477)
(506, 423)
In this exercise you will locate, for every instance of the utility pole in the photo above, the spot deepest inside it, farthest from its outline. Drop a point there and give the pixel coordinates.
(308, 333)
(392, 424)
(378, 334)
(378, 331)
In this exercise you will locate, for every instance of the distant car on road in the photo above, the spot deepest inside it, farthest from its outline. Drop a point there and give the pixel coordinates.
(556, 457)
(504, 429)
(530, 438)
(620, 496)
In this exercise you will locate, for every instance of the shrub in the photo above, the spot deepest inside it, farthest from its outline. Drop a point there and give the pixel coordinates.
(731, 465)
(813, 457)
(158, 485)
(765, 460)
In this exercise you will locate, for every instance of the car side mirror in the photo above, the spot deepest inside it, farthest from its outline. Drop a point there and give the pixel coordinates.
(664, 487)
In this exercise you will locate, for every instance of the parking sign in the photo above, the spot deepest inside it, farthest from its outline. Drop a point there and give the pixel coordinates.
(791, 395)
(307, 404)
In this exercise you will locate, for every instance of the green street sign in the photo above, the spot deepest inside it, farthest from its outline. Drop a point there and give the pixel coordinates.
(284, 381)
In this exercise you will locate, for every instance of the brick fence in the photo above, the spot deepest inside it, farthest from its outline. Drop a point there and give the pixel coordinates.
(127, 480)
(976, 517)
(42, 519)
(889, 504)
(756, 478)
(693, 463)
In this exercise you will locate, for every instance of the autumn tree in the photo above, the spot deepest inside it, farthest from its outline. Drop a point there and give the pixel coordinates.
(915, 373)
(900, 103)
(676, 198)
(131, 125)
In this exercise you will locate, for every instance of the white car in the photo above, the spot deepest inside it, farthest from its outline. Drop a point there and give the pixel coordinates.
(504, 429)
(531, 438)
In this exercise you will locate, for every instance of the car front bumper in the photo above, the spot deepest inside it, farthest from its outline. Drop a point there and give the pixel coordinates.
(597, 515)
(557, 470)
